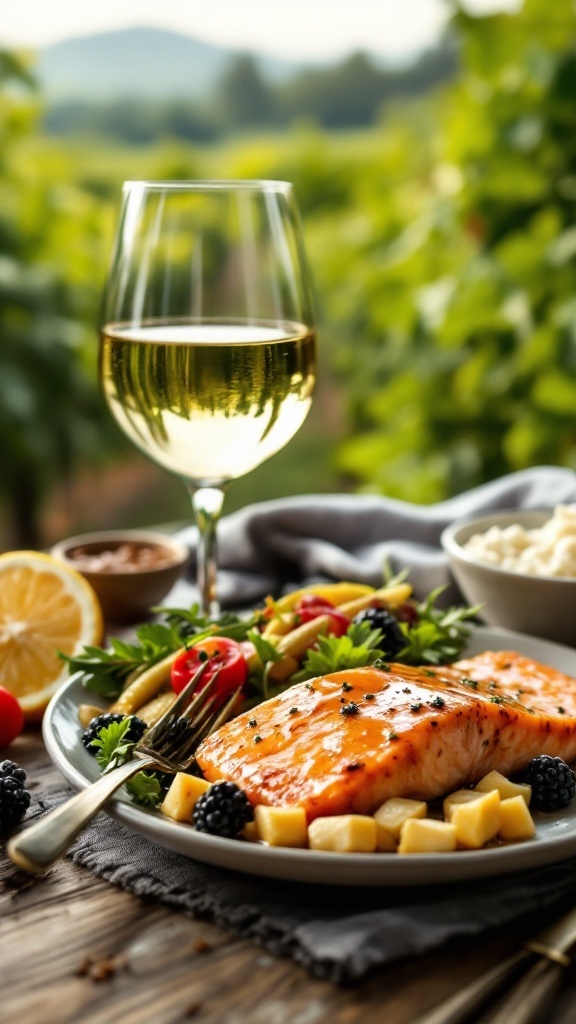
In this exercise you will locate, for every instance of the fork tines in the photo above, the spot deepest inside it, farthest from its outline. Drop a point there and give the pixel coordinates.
(182, 728)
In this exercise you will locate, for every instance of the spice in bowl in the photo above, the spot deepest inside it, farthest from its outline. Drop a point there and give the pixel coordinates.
(130, 570)
(130, 556)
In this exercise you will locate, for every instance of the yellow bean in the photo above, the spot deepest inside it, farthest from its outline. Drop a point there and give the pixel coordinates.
(145, 686)
(155, 708)
(86, 712)
(283, 669)
(300, 639)
(391, 597)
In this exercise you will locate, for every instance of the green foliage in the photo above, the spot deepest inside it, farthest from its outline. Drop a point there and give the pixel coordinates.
(49, 248)
(456, 284)
(442, 243)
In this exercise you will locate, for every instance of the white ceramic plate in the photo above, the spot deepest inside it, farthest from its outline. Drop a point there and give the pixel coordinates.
(555, 839)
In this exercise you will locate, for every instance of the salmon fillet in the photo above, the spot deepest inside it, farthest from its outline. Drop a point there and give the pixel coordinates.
(409, 732)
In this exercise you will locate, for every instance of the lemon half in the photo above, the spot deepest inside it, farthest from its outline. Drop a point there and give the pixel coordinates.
(45, 607)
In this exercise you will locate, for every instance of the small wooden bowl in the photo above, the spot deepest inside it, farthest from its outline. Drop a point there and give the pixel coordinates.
(130, 570)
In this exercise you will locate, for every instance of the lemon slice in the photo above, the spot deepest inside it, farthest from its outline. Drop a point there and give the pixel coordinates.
(45, 607)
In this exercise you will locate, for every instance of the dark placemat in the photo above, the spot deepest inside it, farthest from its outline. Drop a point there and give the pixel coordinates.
(335, 932)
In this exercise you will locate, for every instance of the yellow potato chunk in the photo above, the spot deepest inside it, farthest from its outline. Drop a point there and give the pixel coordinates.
(343, 833)
(385, 841)
(460, 796)
(394, 812)
(250, 832)
(478, 820)
(426, 835)
(181, 797)
(515, 819)
(494, 780)
(281, 826)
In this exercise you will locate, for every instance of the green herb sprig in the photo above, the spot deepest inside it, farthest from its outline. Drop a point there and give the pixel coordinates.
(438, 636)
(358, 647)
(113, 750)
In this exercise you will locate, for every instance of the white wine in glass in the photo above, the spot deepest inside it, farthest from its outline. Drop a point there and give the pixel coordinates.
(208, 350)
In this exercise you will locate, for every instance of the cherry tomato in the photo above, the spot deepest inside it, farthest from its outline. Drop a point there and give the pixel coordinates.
(407, 612)
(11, 717)
(312, 601)
(338, 623)
(221, 653)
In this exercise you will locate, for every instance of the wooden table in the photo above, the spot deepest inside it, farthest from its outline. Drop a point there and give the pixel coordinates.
(75, 949)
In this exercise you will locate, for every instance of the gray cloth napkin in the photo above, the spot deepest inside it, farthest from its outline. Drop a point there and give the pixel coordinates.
(340, 933)
(350, 537)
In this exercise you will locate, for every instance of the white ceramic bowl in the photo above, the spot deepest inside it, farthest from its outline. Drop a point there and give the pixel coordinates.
(127, 596)
(537, 605)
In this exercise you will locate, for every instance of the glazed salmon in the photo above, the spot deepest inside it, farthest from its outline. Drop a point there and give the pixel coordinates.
(346, 742)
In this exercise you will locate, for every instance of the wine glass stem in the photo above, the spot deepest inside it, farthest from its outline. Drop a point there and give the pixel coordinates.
(207, 506)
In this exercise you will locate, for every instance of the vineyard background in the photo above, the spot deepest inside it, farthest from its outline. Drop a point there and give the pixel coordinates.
(440, 225)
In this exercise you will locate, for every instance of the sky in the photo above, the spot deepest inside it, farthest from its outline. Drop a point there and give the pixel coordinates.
(292, 29)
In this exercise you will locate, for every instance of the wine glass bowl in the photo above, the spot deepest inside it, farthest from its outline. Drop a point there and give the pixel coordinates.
(208, 351)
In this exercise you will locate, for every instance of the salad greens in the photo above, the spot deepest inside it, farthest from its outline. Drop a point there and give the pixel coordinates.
(434, 636)
(106, 670)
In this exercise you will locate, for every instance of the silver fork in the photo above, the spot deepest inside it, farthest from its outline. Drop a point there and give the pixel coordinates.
(38, 847)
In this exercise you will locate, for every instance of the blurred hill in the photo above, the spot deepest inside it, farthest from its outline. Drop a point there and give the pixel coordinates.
(140, 62)
(142, 84)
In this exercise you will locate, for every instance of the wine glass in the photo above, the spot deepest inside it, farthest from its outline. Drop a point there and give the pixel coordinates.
(208, 346)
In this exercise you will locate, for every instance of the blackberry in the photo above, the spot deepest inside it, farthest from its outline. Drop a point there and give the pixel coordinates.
(393, 639)
(222, 810)
(553, 783)
(14, 799)
(134, 732)
(8, 769)
(179, 731)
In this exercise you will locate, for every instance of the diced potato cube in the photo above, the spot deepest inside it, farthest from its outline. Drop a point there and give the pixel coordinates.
(181, 797)
(344, 833)
(282, 826)
(478, 820)
(250, 832)
(460, 796)
(506, 788)
(385, 841)
(426, 835)
(394, 812)
(515, 819)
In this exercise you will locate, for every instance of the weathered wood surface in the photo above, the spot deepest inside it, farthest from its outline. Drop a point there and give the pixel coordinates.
(75, 949)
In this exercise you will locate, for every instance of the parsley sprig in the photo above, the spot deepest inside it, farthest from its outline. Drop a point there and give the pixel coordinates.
(359, 646)
(105, 670)
(438, 636)
(113, 750)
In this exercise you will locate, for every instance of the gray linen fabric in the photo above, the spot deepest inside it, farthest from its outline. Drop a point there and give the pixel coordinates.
(350, 537)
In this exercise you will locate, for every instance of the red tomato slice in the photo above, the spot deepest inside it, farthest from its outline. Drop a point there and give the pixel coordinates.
(11, 717)
(221, 653)
(338, 623)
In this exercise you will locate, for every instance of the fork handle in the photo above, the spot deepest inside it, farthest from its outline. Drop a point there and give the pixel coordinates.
(525, 1001)
(458, 1008)
(38, 847)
